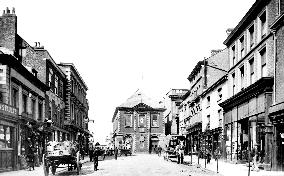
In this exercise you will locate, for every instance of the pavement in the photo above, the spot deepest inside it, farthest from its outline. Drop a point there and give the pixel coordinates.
(230, 169)
(38, 170)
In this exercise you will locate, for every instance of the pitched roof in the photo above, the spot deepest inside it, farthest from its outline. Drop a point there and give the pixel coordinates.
(139, 97)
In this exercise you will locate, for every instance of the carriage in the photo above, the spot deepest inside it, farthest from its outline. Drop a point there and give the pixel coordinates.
(58, 153)
(170, 152)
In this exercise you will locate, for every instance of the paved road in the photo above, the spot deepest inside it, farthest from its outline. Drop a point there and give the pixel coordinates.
(140, 165)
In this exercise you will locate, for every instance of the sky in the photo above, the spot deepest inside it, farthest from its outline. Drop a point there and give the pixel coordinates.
(119, 46)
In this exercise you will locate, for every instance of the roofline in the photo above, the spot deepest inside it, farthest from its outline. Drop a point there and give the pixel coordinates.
(197, 67)
(51, 60)
(252, 12)
(76, 71)
(213, 86)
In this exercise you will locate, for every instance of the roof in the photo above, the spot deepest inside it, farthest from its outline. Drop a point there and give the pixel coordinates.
(196, 69)
(72, 66)
(139, 97)
(246, 20)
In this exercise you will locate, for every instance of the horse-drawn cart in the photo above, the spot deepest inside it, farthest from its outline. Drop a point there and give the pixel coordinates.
(59, 153)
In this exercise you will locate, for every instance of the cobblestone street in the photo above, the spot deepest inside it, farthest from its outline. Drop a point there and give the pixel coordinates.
(142, 165)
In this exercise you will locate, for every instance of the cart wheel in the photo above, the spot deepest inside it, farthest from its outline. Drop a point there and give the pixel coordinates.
(45, 165)
(53, 169)
(78, 163)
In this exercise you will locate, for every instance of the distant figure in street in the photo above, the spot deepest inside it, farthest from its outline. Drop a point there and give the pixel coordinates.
(91, 153)
(115, 153)
(96, 159)
(208, 155)
(159, 150)
(177, 152)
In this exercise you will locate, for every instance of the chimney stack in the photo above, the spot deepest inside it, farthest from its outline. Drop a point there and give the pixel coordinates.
(215, 51)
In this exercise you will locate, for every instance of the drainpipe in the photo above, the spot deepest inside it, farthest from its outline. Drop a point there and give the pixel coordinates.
(274, 65)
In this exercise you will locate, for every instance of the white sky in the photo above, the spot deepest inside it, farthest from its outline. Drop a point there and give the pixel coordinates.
(114, 42)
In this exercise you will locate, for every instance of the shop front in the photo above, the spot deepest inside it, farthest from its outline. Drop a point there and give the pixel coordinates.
(277, 117)
(8, 138)
(194, 137)
(246, 125)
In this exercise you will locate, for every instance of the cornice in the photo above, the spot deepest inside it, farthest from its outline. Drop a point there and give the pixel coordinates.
(262, 85)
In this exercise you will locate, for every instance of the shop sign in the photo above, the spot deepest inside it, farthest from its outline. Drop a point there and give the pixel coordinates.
(7, 109)
(3, 75)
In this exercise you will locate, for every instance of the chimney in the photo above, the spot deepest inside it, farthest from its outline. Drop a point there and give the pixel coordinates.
(229, 30)
(215, 51)
(8, 29)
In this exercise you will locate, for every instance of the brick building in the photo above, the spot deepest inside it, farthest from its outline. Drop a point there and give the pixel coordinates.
(276, 110)
(138, 124)
(22, 99)
(250, 83)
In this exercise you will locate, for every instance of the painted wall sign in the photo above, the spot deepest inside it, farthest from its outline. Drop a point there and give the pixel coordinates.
(7, 109)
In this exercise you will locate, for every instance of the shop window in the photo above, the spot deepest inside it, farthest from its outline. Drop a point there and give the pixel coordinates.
(5, 136)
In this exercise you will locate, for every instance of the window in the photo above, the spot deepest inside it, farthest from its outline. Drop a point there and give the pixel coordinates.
(208, 122)
(220, 93)
(15, 97)
(208, 101)
(25, 103)
(220, 117)
(263, 62)
(40, 111)
(242, 45)
(128, 120)
(263, 24)
(5, 136)
(242, 72)
(234, 83)
(56, 84)
(142, 121)
(251, 64)
(155, 120)
(33, 108)
(50, 78)
(60, 87)
(234, 54)
(251, 36)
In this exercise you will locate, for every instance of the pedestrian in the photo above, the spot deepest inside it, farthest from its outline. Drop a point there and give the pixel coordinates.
(115, 153)
(159, 150)
(96, 159)
(181, 153)
(177, 153)
(91, 152)
(208, 155)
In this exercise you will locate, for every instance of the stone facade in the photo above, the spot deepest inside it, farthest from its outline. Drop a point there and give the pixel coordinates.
(138, 124)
